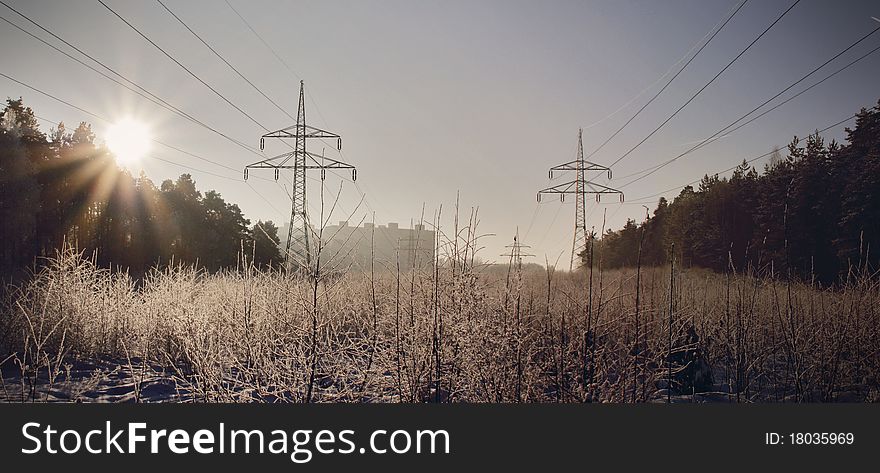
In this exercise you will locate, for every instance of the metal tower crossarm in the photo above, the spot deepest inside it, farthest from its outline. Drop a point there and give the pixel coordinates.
(588, 188)
(300, 161)
(307, 132)
(578, 165)
(314, 161)
(580, 187)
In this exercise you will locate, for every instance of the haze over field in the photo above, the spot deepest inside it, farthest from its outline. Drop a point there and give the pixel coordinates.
(146, 258)
(437, 97)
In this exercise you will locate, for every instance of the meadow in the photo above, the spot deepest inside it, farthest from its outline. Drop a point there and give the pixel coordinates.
(457, 331)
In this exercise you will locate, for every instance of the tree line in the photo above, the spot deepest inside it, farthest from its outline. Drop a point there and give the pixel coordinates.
(63, 188)
(814, 212)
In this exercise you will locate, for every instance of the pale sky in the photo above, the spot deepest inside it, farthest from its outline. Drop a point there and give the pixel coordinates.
(438, 97)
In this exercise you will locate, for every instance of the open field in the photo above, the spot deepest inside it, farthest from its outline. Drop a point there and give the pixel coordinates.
(457, 332)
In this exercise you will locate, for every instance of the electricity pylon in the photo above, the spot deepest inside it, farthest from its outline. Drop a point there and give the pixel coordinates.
(580, 187)
(516, 254)
(300, 160)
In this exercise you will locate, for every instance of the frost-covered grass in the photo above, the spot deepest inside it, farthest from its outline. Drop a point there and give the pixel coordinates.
(457, 332)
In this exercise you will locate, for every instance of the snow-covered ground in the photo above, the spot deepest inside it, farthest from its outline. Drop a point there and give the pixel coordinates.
(119, 380)
(103, 380)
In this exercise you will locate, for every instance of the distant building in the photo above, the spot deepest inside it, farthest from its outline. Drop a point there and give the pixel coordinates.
(346, 245)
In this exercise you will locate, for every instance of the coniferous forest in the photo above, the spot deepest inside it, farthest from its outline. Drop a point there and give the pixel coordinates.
(541, 212)
(750, 288)
(813, 212)
(61, 187)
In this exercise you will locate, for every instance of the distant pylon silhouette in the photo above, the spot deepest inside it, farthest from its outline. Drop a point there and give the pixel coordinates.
(516, 254)
(580, 186)
(298, 244)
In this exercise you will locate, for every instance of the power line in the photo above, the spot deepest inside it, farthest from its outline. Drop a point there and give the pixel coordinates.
(539, 205)
(196, 156)
(191, 73)
(83, 63)
(660, 79)
(55, 98)
(106, 120)
(580, 186)
(302, 162)
(228, 64)
(242, 76)
(202, 171)
(149, 95)
(219, 56)
(157, 100)
(224, 60)
(532, 221)
(649, 102)
(194, 169)
(747, 161)
(151, 155)
(707, 140)
(732, 61)
(174, 163)
(279, 58)
(284, 63)
(280, 213)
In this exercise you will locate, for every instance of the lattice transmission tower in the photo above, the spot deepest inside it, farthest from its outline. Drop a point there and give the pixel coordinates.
(300, 160)
(515, 252)
(580, 187)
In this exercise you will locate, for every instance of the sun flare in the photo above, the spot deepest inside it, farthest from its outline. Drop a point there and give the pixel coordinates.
(129, 140)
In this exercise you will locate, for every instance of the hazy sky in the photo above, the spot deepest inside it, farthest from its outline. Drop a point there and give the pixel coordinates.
(438, 97)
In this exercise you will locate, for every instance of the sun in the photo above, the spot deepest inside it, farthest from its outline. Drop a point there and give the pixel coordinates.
(128, 140)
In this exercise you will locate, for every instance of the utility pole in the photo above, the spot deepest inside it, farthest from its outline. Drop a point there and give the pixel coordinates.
(516, 254)
(580, 186)
(300, 160)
